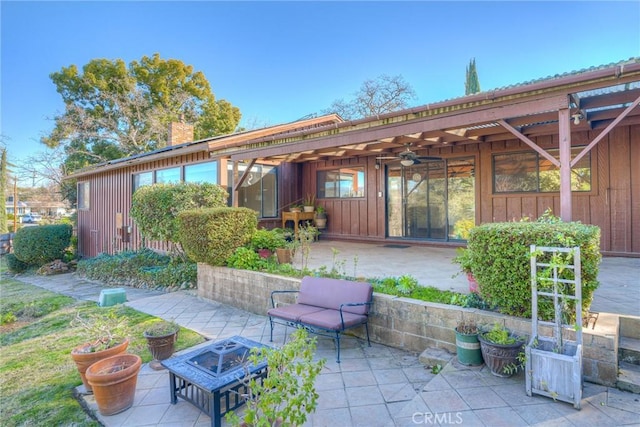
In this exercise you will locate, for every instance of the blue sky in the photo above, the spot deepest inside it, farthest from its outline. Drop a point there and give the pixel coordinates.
(280, 61)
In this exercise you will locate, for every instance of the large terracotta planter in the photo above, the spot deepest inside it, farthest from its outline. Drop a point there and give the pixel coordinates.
(502, 359)
(114, 382)
(284, 255)
(84, 360)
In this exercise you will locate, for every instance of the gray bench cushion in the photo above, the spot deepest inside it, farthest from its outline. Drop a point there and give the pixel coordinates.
(331, 293)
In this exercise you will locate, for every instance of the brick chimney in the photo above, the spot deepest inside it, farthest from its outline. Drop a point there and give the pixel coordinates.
(180, 133)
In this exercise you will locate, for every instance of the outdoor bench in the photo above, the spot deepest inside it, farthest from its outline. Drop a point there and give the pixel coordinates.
(325, 307)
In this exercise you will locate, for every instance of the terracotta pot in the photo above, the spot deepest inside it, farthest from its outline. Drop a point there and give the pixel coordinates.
(84, 360)
(114, 382)
(264, 253)
(284, 255)
(161, 347)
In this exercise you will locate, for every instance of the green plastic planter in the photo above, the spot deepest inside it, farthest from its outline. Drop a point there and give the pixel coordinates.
(468, 349)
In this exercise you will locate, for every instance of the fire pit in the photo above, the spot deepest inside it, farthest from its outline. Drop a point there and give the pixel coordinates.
(211, 378)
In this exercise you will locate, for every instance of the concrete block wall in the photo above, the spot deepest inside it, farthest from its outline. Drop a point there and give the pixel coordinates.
(405, 323)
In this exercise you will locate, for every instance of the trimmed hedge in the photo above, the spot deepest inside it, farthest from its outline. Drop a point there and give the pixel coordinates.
(40, 245)
(212, 235)
(500, 260)
(14, 264)
(154, 208)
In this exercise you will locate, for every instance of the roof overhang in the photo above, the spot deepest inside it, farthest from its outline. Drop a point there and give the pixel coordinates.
(595, 98)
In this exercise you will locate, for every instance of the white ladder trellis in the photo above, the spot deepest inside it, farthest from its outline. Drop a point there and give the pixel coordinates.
(553, 365)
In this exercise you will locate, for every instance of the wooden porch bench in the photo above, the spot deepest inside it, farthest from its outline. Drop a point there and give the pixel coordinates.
(325, 307)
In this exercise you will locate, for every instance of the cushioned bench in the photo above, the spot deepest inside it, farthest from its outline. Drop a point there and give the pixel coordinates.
(325, 307)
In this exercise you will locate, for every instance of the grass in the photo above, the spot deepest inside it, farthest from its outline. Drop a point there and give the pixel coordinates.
(37, 374)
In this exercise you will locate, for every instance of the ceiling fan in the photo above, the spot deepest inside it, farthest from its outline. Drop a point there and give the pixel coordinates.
(408, 157)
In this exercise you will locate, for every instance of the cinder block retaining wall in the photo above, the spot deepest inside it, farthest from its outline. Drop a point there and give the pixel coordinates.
(406, 323)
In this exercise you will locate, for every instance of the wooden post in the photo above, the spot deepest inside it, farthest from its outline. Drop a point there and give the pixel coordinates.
(564, 131)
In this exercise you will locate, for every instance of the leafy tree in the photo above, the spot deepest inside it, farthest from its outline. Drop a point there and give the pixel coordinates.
(3, 191)
(472, 84)
(382, 95)
(113, 110)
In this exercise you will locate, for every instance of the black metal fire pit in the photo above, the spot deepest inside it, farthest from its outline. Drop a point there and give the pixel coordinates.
(211, 378)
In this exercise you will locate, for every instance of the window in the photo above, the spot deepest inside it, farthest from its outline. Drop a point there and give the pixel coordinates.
(202, 172)
(259, 191)
(341, 183)
(83, 195)
(531, 172)
(142, 179)
(166, 176)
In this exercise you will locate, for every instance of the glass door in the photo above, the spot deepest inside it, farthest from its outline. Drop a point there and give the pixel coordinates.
(419, 203)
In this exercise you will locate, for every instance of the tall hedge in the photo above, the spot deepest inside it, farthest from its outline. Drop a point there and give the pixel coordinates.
(42, 244)
(212, 235)
(500, 260)
(154, 208)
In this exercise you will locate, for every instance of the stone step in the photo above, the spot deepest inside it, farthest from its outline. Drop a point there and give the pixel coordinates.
(630, 327)
(628, 377)
(435, 356)
(629, 350)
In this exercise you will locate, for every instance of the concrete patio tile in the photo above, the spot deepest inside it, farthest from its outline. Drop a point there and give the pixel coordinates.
(399, 392)
(416, 406)
(358, 379)
(418, 374)
(370, 416)
(329, 381)
(353, 365)
(390, 376)
(462, 379)
(623, 400)
(543, 412)
(336, 399)
(515, 395)
(360, 396)
(382, 363)
(182, 412)
(437, 383)
(500, 417)
(156, 396)
(329, 418)
(590, 416)
(619, 417)
(444, 401)
(145, 415)
(481, 398)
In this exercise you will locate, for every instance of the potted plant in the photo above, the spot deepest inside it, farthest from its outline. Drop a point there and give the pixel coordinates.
(265, 242)
(114, 382)
(288, 393)
(467, 343)
(286, 253)
(320, 218)
(161, 338)
(295, 208)
(502, 350)
(309, 203)
(105, 336)
(464, 258)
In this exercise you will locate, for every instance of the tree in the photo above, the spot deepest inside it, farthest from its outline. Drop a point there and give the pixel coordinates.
(3, 191)
(382, 95)
(472, 84)
(113, 110)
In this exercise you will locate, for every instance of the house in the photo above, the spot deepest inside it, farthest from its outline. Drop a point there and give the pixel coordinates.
(570, 143)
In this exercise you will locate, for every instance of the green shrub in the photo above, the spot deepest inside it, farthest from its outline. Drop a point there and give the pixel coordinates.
(500, 260)
(144, 269)
(212, 235)
(40, 245)
(245, 259)
(14, 264)
(267, 239)
(154, 208)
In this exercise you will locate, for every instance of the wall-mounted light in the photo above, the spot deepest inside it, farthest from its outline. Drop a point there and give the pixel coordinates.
(576, 118)
(377, 165)
(406, 162)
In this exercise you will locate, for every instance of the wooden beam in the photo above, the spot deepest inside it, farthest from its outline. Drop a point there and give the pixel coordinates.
(529, 142)
(605, 131)
(244, 176)
(381, 132)
(564, 131)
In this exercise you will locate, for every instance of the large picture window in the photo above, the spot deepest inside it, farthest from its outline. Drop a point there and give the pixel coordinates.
(202, 172)
(259, 191)
(142, 179)
(197, 172)
(167, 176)
(531, 172)
(341, 183)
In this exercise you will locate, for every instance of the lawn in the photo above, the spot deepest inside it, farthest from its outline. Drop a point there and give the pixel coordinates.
(37, 374)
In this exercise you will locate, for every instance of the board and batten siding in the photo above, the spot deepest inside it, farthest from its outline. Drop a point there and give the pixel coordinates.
(110, 195)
